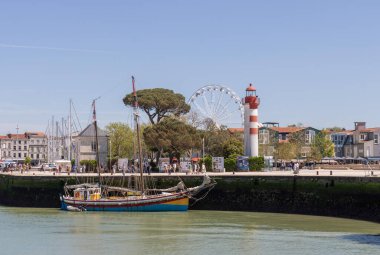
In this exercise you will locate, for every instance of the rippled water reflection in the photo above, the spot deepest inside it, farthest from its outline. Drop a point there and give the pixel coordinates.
(51, 231)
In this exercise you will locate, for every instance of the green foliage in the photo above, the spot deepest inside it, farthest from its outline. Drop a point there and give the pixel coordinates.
(334, 129)
(90, 164)
(322, 147)
(232, 146)
(285, 151)
(72, 162)
(297, 139)
(230, 163)
(207, 160)
(171, 135)
(27, 160)
(121, 137)
(256, 163)
(159, 103)
(220, 143)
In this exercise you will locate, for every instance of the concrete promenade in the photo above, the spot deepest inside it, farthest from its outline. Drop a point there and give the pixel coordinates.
(309, 173)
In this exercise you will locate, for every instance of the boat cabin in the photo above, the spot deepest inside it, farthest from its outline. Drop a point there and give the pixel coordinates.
(87, 194)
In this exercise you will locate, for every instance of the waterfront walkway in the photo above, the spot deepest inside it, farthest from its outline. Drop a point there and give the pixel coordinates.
(311, 173)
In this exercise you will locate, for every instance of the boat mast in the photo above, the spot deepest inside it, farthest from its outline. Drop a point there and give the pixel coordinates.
(96, 139)
(136, 114)
(69, 149)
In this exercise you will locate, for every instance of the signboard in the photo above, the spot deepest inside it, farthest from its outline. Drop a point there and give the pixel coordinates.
(242, 163)
(217, 164)
(185, 166)
(122, 163)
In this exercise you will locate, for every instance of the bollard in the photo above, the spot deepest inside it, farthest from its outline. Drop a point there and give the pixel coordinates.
(317, 172)
(371, 173)
(330, 172)
(233, 172)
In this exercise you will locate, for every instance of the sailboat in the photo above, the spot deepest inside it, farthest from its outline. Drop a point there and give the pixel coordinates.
(99, 197)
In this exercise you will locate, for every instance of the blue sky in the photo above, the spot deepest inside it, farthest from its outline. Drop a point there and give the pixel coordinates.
(312, 62)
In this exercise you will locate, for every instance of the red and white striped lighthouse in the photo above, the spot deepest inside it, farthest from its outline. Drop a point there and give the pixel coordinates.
(251, 122)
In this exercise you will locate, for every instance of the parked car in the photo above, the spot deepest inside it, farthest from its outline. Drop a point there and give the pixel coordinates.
(48, 167)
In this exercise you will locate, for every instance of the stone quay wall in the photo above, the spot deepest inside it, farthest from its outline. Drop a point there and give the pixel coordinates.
(349, 197)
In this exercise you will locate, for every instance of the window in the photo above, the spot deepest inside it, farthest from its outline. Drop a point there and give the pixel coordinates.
(14, 148)
(19, 142)
(14, 155)
(93, 146)
(376, 138)
(38, 156)
(264, 136)
(25, 148)
(282, 137)
(309, 137)
(24, 142)
(362, 137)
(31, 156)
(25, 155)
(19, 148)
(14, 142)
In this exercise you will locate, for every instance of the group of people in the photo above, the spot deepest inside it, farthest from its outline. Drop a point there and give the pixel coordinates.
(191, 168)
(16, 167)
(295, 166)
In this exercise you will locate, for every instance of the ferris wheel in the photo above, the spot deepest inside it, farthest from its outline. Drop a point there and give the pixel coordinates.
(219, 104)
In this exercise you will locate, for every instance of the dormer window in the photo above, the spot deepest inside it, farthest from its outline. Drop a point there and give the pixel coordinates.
(362, 137)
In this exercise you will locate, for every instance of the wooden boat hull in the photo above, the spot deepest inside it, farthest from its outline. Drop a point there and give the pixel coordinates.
(160, 204)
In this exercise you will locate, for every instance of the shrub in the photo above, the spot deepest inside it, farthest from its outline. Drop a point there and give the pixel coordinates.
(256, 163)
(90, 164)
(230, 164)
(207, 160)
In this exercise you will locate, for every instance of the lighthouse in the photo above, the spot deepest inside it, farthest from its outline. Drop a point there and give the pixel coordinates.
(251, 123)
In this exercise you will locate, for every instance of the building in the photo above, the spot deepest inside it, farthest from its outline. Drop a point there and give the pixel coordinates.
(362, 142)
(17, 147)
(85, 145)
(340, 139)
(271, 134)
(37, 147)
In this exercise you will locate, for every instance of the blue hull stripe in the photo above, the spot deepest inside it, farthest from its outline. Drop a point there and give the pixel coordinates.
(145, 208)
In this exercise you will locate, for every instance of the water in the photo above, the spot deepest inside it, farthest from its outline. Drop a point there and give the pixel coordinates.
(51, 231)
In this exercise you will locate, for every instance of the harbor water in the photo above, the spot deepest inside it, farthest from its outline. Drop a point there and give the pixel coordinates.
(36, 231)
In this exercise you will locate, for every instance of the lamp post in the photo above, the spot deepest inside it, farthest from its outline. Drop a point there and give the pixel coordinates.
(203, 148)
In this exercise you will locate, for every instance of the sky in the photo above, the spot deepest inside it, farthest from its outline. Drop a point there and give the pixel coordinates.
(312, 62)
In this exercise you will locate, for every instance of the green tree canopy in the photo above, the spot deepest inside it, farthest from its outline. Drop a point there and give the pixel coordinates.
(285, 151)
(322, 146)
(232, 146)
(121, 137)
(27, 160)
(159, 103)
(171, 135)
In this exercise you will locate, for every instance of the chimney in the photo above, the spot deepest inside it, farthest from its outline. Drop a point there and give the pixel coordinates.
(359, 126)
